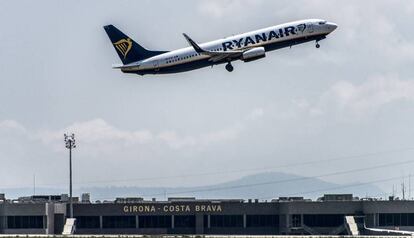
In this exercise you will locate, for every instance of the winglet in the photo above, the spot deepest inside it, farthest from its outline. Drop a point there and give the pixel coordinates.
(196, 47)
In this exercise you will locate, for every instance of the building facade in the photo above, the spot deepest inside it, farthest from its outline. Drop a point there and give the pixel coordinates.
(283, 216)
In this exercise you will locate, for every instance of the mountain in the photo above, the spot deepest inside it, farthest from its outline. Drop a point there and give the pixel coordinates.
(261, 186)
(264, 186)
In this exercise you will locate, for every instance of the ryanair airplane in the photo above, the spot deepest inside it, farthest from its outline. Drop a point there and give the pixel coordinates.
(246, 47)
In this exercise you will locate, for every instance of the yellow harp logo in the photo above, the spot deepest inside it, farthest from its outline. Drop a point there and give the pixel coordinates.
(123, 46)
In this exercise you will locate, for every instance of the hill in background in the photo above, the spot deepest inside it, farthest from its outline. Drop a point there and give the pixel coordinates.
(264, 186)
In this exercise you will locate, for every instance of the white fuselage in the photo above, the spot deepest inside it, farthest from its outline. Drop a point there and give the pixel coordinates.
(284, 35)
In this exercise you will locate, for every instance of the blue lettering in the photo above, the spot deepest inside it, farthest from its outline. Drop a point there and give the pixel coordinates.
(261, 37)
(290, 30)
(248, 41)
(227, 45)
(272, 35)
(238, 43)
(281, 33)
(301, 27)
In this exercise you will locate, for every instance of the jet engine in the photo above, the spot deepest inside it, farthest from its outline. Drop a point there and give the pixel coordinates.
(253, 54)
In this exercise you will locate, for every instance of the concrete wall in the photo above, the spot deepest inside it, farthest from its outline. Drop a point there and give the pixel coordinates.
(175, 208)
(24, 210)
(32, 209)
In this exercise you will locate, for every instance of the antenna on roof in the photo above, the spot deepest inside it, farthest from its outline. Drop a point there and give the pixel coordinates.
(34, 184)
(403, 190)
(393, 190)
(409, 186)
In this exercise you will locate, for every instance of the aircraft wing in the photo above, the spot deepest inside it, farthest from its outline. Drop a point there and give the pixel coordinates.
(215, 56)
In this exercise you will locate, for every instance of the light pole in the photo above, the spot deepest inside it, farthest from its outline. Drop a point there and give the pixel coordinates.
(70, 144)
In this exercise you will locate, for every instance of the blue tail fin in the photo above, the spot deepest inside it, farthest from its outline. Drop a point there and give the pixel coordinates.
(128, 50)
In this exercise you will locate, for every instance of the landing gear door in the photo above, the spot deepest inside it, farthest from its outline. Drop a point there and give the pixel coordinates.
(310, 28)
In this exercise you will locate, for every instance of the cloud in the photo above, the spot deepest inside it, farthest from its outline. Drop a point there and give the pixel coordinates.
(357, 101)
(225, 8)
(102, 136)
(96, 131)
(297, 92)
(10, 125)
(99, 142)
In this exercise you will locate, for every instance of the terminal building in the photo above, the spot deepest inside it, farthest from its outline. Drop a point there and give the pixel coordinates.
(328, 215)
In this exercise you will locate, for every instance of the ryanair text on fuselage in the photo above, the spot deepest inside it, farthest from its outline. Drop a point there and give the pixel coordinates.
(263, 37)
(246, 47)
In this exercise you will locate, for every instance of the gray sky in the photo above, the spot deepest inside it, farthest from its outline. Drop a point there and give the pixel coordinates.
(353, 96)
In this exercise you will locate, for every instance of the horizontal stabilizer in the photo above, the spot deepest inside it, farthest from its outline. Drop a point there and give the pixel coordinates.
(126, 66)
(117, 66)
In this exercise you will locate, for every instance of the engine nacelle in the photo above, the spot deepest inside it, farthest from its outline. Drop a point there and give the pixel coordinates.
(253, 54)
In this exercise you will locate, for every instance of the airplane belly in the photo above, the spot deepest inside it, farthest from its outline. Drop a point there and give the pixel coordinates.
(178, 68)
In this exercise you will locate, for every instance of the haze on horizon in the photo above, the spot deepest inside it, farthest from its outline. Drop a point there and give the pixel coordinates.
(353, 98)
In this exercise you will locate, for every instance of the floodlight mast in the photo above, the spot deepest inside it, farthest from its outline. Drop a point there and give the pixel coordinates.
(70, 144)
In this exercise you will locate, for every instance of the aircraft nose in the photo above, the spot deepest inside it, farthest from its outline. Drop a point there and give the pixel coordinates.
(332, 26)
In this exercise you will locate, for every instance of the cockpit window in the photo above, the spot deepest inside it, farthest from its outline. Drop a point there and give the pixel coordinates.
(322, 22)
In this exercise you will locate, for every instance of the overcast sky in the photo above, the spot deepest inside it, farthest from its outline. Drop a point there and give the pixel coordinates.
(353, 96)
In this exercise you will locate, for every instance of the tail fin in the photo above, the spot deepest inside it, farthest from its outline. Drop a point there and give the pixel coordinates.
(128, 50)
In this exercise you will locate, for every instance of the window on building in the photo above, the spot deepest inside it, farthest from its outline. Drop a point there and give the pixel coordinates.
(184, 221)
(262, 220)
(88, 222)
(404, 219)
(396, 219)
(226, 220)
(296, 220)
(118, 221)
(326, 220)
(154, 221)
(205, 221)
(25, 222)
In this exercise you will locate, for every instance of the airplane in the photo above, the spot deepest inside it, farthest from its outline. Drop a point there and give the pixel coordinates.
(246, 47)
